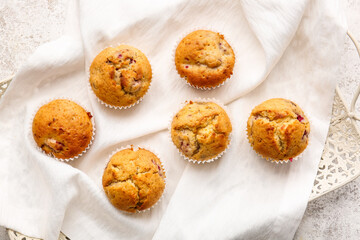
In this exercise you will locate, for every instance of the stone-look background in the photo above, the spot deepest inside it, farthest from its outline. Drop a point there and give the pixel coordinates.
(336, 215)
(24, 25)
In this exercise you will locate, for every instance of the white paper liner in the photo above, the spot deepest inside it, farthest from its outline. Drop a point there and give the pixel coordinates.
(281, 161)
(296, 158)
(49, 154)
(146, 147)
(187, 32)
(113, 106)
(226, 109)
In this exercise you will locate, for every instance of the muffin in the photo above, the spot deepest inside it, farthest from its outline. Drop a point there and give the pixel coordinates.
(204, 59)
(62, 129)
(133, 180)
(278, 129)
(200, 130)
(120, 76)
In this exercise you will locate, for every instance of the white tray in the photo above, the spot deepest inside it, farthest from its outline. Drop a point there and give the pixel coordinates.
(340, 161)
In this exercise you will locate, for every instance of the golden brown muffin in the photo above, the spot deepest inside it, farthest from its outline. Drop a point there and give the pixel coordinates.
(200, 130)
(62, 128)
(278, 129)
(134, 180)
(120, 76)
(204, 59)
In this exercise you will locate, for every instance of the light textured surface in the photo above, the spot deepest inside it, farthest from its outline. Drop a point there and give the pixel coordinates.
(336, 215)
(23, 27)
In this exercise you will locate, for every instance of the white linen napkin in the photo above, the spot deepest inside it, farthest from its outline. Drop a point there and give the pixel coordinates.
(286, 49)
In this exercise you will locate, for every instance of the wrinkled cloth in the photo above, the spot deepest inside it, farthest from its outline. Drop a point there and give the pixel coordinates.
(287, 49)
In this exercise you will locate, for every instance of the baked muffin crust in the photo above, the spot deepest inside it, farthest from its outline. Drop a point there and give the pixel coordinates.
(120, 76)
(134, 180)
(204, 58)
(278, 129)
(200, 130)
(62, 128)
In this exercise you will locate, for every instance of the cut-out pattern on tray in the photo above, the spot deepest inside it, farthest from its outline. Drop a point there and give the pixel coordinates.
(13, 235)
(340, 161)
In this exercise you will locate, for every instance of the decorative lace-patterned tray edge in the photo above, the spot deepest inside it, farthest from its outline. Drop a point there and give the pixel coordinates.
(340, 161)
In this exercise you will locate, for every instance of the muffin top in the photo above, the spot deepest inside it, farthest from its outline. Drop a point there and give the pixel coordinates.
(134, 180)
(278, 129)
(200, 130)
(120, 76)
(62, 128)
(204, 59)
